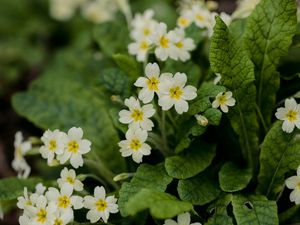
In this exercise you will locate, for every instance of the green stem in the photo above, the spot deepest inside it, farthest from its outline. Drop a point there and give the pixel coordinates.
(261, 118)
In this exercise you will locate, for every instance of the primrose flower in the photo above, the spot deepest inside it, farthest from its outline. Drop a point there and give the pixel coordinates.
(99, 205)
(294, 183)
(185, 19)
(19, 163)
(135, 145)
(26, 200)
(62, 217)
(290, 115)
(68, 177)
(137, 116)
(40, 189)
(140, 48)
(182, 219)
(54, 142)
(201, 120)
(217, 78)
(223, 100)
(201, 16)
(63, 10)
(172, 91)
(149, 84)
(75, 148)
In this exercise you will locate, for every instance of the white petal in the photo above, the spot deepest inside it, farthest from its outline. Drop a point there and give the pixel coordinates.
(184, 219)
(89, 202)
(288, 126)
(152, 69)
(125, 116)
(75, 133)
(181, 106)
(165, 102)
(170, 222)
(148, 110)
(99, 192)
(292, 182)
(189, 92)
(145, 149)
(141, 82)
(76, 160)
(77, 202)
(290, 103)
(224, 108)
(132, 103)
(146, 95)
(84, 146)
(228, 94)
(93, 215)
(180, 79)
(281, 113)
(230, 102)
(137, 157)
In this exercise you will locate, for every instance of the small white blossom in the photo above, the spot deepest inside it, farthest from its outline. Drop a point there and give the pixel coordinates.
(27, 199)
(24, 220)
(75, 148)
(185, 19)
(244, 8)
(294, 183)
(62, 217)
(140, 48)
(172, 91)
(290, 115)
(223, 100)
(40, 189)
(54, 143)
(135, 145)
(62, 10)
(19, 163)
(201, 16)
(68, 177)
(182, 219)
(201, 120)
(137, 116)
(217, 78)
(99, 205)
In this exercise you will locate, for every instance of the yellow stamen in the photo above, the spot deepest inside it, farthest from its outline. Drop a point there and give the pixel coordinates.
(63, 202)
(152, 84)
(183, 21)
(73, 146)
(41, 216)
(101, 205)
(164, 42)
(137, 115)
(70, 180)
(222, 100)
(291, 116)
(179, 44)
(52, 145)
(58, 222)
(144, 45)
(176, 92)
(200, 17)
(147, 31)
(135, 144)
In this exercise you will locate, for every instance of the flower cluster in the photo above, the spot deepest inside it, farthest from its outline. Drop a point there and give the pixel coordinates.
(170, 89)
(294, 183)
(148, 34)
(63, 147)
(290, 114)
(56, 205)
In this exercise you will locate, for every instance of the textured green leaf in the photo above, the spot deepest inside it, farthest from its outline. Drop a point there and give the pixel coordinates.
(146, 176)
(219, 208)
(12, 188)
(116, 82)
(128, 65)
(63, 98)
(213, 116)
(268, 35)
(230, 59)
(254, 210)
(161, 205)
(191, 163)
(232, 178)
(198, 190)
(279, 154)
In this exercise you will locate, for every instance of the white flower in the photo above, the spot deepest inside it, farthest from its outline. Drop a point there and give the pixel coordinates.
(19, 163)
(164, 47)
(40, 189)
(135, 145)
(223, 100)
(290, 115)
(64, 199)
(172, 91)
(42, 212)
(54, 143)
(226, 18)
(182, 45)
(62, 10)
(182, 219)
(75, 148)
(201, 16)
(62, 217)
(100, 206)
(27, 200)
(217, 78)
(68, 177)
(185, 19)
(137, 116)
(149, 84)
(244, 9)
(294, 183)
(140, 48)
(24, 220)
(201, 120)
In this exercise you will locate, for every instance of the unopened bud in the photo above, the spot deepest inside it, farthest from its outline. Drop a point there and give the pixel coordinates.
(201, 120)
(122, 176)
(116, 98)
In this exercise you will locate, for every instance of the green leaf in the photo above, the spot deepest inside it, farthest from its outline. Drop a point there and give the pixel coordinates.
(268, 35)
(206, 91)
(198, 190)
(213, 116)
(128, 65)
(191, 163)
(231, 61)
(279, 155)
(116, 82)
(146, 176)
(194, 32)
(12, 188)
(232, 178)
(64, 97)
(161, 205)
(254, 210)
(220, 216)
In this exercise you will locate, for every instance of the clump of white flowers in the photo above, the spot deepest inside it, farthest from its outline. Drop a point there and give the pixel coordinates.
(290, 114)
(170, 89)
(182, 219)
(151, 36)
(19, 163)
(294, 183)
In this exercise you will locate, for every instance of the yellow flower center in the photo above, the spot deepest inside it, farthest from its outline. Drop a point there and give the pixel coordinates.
(164, 42)
(200, 17)
(135, 144)
(28, 202)
(291, 116)
(137, 115)
(63, 202)
(101, 205)
(183, 21)
(52, 145)
(70, 180)
(19, 154)
(152, 84)
(222, 100)
(176, 92)
(41, 216)
(73, 146)
(179, 44)
(146, 31)
(144, 45)
(58, 222)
